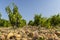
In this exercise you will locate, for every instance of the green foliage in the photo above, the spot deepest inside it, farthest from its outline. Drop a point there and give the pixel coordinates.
(37, 20)
(43, 20)
(55, 20)
(46, 22)
(31, 23)
(22, 23)
(15, 17)
(4, 23)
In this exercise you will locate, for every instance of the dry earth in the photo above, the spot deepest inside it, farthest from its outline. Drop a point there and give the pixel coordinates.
(29, 33)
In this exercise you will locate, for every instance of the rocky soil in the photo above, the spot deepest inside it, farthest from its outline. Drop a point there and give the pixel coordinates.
(29, 33)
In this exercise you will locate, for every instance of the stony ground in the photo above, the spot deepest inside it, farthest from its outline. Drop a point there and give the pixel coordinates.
(29, 33)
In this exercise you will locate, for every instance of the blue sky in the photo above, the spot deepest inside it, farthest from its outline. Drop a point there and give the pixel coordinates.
(28, 8)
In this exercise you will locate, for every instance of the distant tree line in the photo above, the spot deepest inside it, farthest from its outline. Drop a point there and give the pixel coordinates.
(52, 21)
(15, 19)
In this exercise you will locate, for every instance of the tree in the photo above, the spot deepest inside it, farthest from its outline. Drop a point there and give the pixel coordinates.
(14, 16)
(55, 20)
(37, 20)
